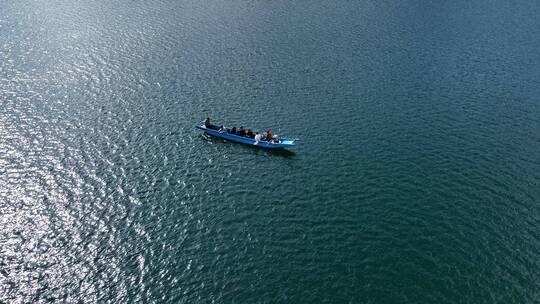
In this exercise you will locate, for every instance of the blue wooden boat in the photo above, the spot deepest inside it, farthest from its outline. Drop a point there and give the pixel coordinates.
(284, 142)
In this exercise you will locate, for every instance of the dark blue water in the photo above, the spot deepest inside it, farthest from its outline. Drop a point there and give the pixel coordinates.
(417, 178)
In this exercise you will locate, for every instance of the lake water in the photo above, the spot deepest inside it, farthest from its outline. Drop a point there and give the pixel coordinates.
(417, 178)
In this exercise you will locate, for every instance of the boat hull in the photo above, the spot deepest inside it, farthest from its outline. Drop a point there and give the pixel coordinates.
(285, 143)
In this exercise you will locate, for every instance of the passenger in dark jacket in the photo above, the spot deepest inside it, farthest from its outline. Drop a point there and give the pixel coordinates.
(241, 132)
(207, 123)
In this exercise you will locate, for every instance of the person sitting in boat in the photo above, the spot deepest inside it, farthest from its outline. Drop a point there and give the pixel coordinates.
(241, 132)
(250, 134)
(275, 139)
(258, 138)
(233, 130)
(207, 123)
(222, 130)
(267, 135)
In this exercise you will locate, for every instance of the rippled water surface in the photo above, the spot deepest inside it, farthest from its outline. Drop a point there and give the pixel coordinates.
(417, 178)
